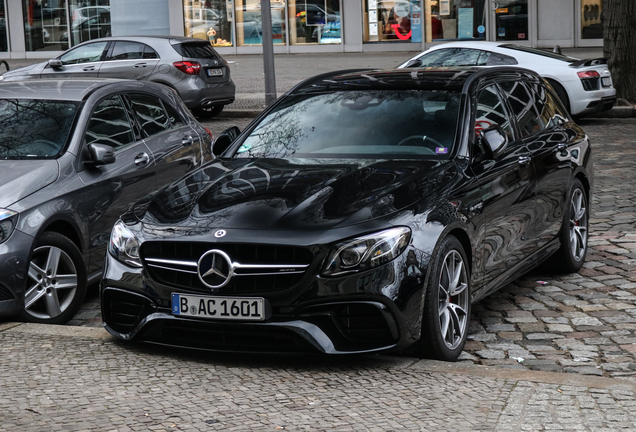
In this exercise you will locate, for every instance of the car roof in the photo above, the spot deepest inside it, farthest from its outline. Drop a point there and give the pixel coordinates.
(54, 89)
(150, 39)
(456, 79)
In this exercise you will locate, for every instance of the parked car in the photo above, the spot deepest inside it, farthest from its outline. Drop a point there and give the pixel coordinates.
(75, 154)
(584, 86)
(190, 66)
(363, 211)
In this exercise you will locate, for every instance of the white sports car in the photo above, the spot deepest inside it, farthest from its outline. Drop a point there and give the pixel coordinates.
(584, 86)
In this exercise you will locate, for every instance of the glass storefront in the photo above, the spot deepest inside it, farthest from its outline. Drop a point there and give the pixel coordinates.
(511, 18)
(211, 20)
(89, 20)
(248, 22)
(314, 22)
(4, 45)
(455, 20)
(392, 21)
(591, 24)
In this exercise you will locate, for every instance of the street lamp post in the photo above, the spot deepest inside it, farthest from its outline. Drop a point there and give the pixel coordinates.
(268, 53)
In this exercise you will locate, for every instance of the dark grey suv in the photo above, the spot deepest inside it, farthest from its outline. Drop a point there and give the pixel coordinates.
(74, 154)
(190, 66)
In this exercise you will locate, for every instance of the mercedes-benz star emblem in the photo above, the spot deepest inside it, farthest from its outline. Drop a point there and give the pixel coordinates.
(215, 269)
(220, 233)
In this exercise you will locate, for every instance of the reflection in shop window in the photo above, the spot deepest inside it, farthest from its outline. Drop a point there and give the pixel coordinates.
(314, 22)
(210, 20)
(392, 21)
(455, 20)
(591, 24)
(89, 20)
(4, 46)
(248, 22)
(511, 19)
(45, 25)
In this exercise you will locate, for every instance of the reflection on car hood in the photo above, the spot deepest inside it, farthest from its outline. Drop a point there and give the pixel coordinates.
(21, 178)
(33, 70)
(300, 194)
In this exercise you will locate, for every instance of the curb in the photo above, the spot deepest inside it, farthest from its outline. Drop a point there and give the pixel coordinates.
(616, 112)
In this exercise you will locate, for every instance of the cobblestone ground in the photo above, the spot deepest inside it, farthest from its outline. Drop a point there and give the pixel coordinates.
(582, 323)
(57, 378)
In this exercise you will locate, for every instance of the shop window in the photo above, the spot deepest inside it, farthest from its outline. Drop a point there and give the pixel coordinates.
(209, 20)
(45, 25)
(511, 19)
(314, 22)
(454, 20)
(4, 45)
(392, 21)
(89, 20)
(248, 22)
(591, 25)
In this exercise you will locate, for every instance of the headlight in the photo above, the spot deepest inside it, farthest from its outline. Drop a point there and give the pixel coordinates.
(124, 246)
(1, 77)
(366, 252)
(8, 220)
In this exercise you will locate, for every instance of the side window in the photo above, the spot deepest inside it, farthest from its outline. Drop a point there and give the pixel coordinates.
(455, 57)
(150, 113)
(173, 114)
(491, 111)
(91, 52)
(109, 124)
(496, 59)
(549, 109)
(124, 50)
(149, 53)
(522, 105)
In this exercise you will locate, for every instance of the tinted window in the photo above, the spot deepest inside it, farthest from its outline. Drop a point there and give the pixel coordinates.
(175, 117)
(91, 52)
(124, 50)
(522, 104)
(149, 53)
(455, 57)
(109, 124)
(358, 124)
(491, 111)
(549, 110)
(198, 50)
(150, 113)
(34, 128)
(496, 59)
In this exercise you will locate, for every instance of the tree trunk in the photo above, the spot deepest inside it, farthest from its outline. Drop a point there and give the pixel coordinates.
(619, 45)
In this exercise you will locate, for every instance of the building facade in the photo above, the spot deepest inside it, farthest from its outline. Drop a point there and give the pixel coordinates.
(43, 28)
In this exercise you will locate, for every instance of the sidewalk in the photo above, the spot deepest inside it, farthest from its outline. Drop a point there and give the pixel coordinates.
(80, 379)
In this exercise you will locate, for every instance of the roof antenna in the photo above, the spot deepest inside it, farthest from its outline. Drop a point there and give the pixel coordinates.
(557, 50)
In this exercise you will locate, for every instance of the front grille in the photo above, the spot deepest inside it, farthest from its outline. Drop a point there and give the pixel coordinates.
(175, 264)
(5, 293)
(123, 311)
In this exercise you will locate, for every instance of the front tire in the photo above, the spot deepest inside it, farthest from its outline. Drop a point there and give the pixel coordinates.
(447, 304)
(56, 282)
(206, 113)
(574, 231)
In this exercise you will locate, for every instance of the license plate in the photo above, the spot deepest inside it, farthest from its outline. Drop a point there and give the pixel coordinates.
(607, 81)
(215, 72)
(222, 308)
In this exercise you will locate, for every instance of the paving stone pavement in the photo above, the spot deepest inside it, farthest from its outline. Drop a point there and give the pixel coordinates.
(66, 378)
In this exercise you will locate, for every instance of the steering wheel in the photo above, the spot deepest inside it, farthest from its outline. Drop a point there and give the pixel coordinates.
(423, 140)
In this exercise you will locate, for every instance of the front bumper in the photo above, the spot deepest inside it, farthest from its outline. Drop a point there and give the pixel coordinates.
(14, 258)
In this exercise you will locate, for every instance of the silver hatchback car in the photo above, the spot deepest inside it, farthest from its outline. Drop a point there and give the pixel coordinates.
(190, 66)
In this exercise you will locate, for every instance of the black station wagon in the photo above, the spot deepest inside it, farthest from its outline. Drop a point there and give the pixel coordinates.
(364, 211)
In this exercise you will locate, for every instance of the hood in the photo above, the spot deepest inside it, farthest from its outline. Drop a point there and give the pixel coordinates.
(21, 178)
(31, 71)
(283, 194)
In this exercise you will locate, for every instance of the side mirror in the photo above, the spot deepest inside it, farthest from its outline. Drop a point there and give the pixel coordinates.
(413, 63)
(55, 64)
(224, 140)
(100, 154)
(493, 140)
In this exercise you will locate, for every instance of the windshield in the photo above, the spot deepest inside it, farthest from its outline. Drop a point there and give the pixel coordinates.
(34, 129)
(358, 124)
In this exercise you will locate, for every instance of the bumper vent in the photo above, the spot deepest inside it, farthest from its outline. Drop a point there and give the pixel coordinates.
(360, 322)
(5, 293)
(123, 311)
(175, 264)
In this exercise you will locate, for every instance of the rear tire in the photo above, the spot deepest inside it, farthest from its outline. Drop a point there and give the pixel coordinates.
(574, 232)
(206, 113)
(447, 304)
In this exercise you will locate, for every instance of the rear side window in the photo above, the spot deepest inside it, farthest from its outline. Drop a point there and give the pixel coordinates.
(522, 105)
(150, 112)
(109, 124)
(199, 50)
(549, 109)
(125, 50)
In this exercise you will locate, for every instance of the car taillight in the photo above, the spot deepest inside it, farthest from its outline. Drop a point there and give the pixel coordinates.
(588, 74)
(188, 67)
(209, 133)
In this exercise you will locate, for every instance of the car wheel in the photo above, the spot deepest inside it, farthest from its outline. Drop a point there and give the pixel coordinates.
(562, 94)
(574, 231)
(56, 282)
(208, 112)
(447, 304)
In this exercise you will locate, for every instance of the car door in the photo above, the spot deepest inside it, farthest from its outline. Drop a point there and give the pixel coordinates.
(112, 188)
(507, 188)
(175, 146)
(83, 61)
(129, 60)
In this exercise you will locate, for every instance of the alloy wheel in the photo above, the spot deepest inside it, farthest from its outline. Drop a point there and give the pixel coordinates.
(52, 283)
(578, 225)
(453, 299)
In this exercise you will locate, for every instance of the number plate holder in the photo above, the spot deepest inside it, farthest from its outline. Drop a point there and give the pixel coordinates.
(220, 308)
(607, 81)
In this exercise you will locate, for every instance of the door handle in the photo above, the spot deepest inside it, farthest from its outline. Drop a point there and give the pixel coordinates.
(187, 140)
(89, 68)
(562, 148)
(138, 65)
(141, 159)
(524, 160)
